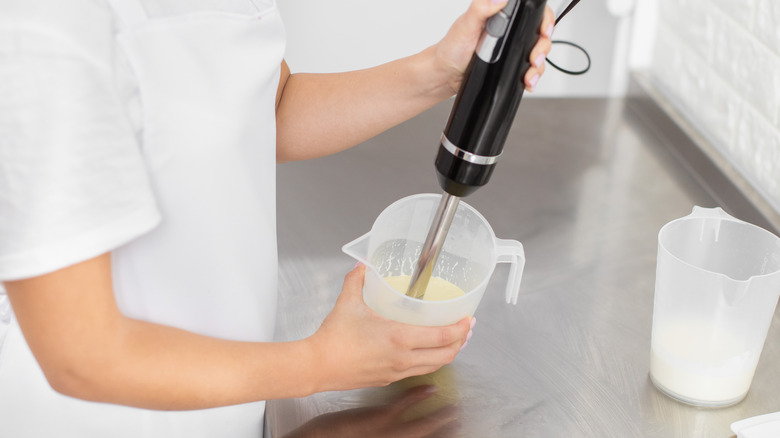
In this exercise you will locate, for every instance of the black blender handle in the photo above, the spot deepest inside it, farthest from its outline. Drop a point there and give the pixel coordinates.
(488, 98)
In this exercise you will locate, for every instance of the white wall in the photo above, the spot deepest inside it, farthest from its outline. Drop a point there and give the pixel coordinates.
(339, 35)
(719, 62)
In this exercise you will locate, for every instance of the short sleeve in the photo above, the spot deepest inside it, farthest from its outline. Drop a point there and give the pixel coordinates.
(73, 183)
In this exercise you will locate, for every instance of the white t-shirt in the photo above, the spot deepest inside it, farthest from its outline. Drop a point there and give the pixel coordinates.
(74, 184)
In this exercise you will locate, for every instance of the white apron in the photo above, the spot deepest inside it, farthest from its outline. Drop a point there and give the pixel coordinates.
(207, 84)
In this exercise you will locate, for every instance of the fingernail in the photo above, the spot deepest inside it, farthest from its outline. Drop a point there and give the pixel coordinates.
(430, 389)
(549, 30)
(533, 81)
(357, 264)
(464, 345)
(473, 322)
(468, 336)
(496, 2)
(539, 60)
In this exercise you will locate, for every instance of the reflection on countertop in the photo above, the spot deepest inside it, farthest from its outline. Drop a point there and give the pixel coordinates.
(405, 409)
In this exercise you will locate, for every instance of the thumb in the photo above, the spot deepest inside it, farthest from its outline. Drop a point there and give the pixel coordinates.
(480, 11)
(353, 282)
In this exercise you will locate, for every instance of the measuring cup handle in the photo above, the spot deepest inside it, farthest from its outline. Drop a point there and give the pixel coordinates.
(713, 213)
(511, 251)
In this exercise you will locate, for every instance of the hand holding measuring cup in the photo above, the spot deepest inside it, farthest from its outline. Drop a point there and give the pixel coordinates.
(355, 347)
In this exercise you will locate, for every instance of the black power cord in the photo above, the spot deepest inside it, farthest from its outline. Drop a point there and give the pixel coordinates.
(571, 72)
(569, 7)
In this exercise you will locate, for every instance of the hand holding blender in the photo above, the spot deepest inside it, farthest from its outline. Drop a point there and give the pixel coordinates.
(480, 119)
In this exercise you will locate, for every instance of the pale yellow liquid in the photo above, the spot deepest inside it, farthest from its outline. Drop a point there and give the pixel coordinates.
(438, 289)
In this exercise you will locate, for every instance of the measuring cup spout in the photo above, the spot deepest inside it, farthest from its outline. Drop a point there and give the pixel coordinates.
(733, 291)
(358, 248)
(758, 288)
(767, 286)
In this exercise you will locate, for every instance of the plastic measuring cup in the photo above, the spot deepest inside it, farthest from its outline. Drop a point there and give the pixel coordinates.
(468, 259)
(717, 286)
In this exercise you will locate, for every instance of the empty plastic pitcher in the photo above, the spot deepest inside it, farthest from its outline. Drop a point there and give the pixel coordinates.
(468, 259)
(717, 286)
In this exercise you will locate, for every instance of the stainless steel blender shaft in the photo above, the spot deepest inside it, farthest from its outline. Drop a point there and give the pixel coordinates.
(433, 244)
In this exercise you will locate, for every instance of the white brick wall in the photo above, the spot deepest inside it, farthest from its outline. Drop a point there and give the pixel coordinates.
(719, 62)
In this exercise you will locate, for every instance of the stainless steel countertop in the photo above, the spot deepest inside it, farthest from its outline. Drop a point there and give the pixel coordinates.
(585, 185)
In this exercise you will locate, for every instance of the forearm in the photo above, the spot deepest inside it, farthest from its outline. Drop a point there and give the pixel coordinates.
(321, 114)
(87, 349)
(159, 367)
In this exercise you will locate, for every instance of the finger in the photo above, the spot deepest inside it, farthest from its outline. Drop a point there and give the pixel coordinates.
(353, 283)
(480, 10)
(427, 360)
(532, 78)
(416, 337)
(421, 370)
(540, 52)
(437, 356)
(548, 23)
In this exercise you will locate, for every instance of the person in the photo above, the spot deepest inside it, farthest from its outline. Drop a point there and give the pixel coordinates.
(138, 145)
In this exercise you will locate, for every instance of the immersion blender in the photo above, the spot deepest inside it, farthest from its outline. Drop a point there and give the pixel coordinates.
(480, 119)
